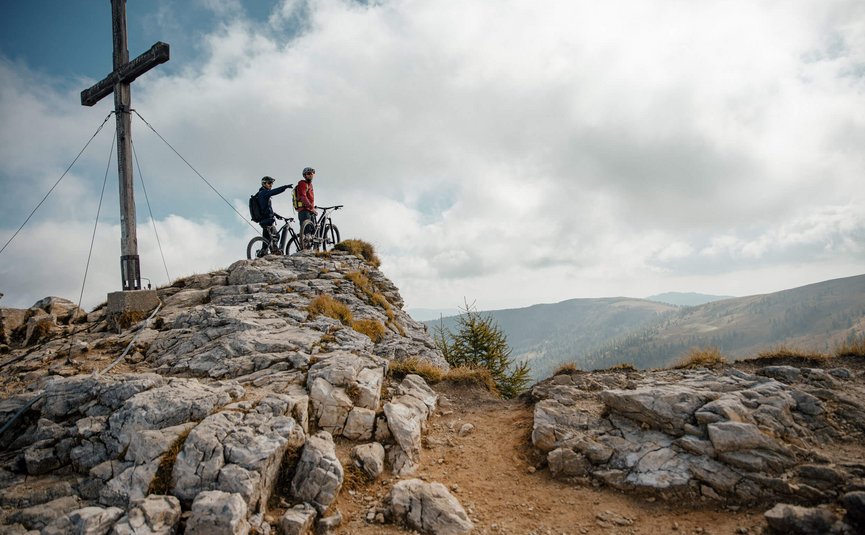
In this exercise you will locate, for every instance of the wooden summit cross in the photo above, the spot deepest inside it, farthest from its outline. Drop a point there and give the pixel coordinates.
(117, 82)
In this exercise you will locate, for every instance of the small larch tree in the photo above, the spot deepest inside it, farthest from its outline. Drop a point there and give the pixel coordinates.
(479, 343)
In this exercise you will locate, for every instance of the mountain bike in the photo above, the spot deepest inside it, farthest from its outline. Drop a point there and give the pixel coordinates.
(320, 233)
(258, 247)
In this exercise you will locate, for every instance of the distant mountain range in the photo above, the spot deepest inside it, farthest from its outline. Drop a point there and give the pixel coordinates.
(652, 333)
(688, 299)
(428, 314)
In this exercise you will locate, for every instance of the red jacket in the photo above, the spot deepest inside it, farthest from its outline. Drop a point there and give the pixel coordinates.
(305, 196)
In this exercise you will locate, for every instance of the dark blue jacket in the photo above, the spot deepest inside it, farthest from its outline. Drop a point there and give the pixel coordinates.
(264, 203)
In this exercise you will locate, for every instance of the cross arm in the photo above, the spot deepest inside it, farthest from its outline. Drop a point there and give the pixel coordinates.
(157, 55)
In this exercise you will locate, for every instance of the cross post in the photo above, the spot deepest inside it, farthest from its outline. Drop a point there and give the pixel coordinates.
(118, 82)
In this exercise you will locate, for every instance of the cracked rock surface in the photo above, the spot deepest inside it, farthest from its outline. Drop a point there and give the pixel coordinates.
(234, 390)
(717, 434)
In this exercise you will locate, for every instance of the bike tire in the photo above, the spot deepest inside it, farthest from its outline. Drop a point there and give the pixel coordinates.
(307, 234)
(331, 237)
(293, 245)
(256, 251)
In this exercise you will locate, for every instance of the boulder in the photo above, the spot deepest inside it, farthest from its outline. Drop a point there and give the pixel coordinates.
(319, 474)
(298, 520)
(854, 503)
(789, 519)
(218, 513)
(86, 521)
(369, 458)
(341, 383)
(428, 508)
(154, 515)
(236, 452)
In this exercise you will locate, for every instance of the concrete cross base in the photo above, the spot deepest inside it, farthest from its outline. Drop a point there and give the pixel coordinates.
(136, 302)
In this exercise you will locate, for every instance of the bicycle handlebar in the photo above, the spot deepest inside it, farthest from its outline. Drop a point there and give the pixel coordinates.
(337, 207)
(277, 216)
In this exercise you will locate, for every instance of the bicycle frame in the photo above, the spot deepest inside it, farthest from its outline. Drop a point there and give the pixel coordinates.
(285, 231)
(321, 223)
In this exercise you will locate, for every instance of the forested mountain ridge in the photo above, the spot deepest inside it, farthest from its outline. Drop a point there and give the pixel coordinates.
(551, 333)
(816, 317)
(598, 333)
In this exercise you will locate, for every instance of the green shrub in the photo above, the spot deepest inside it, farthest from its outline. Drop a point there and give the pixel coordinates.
(479, 343)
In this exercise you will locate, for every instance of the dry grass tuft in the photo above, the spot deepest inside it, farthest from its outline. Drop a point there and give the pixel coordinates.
(326, 305)
(361, 281)
(620, 367)
(354, 478)
(360, 249)
(282, 488)
(380, 300)
(701, 357)
(784, 352)
(568, 368)
(352, 390)
(467, 375)
(413, 365)
(372, 328)
(161, 483)
(851, 348)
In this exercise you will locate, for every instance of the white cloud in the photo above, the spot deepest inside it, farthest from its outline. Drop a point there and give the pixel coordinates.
(512, 151)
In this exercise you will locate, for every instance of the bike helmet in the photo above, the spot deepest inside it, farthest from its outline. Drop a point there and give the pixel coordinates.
(307, 170)
(267, 180)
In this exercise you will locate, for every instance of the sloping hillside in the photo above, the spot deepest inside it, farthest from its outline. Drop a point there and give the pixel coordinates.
(598, 333)
(549, 334)
(816, 317)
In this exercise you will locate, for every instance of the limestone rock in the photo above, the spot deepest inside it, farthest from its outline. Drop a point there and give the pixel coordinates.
(406, 418)
(319, 474)
(328, 523)
(86, 521)
(236, 367)
(854, 502)
(665, 407)
(154, 515)
(566, 462)
(428, 508)
(369, 458)
(39, 516)
(732, 434)
(795, 520)
(236, 452)
(341, 383)
(218, 513)
(298, 520)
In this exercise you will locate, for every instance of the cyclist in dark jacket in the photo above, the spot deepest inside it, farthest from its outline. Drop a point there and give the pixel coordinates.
(268, 222)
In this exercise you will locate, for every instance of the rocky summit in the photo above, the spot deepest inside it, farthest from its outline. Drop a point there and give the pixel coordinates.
(261, 399)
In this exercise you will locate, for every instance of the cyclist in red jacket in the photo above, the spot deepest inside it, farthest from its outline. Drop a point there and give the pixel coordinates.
(304, 198)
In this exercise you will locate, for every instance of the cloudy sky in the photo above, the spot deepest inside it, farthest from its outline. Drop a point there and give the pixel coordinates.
(504, 152)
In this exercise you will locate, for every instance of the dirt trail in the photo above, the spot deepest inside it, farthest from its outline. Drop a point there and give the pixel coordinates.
(491, 470)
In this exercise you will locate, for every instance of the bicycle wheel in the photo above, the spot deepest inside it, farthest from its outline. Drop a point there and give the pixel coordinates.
(331, 237)
(307, 234)
(293, 245)
(256, 248)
